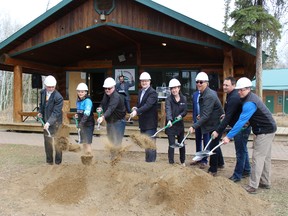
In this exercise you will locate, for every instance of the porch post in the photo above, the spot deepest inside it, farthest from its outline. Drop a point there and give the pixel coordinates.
(228, 66)
(17, 94)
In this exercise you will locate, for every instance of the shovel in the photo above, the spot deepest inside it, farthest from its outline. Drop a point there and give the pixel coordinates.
(78, 130)
(99, 114)
(167, 126)
(42, 122)
(203, 154)
(180, 145)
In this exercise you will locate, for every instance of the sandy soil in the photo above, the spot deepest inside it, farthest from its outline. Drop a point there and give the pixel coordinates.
(128, 187)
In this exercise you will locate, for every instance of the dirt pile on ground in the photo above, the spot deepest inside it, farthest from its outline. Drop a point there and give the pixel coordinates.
(129, 187)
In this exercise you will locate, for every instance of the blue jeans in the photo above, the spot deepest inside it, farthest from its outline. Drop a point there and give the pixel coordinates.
(115, 131)
(150, 154)
(199, 137)
(242, 157)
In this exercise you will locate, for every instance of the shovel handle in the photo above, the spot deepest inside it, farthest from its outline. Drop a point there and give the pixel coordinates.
(185, 138)
(221, 143)
(208, 143)
(76, 121)
(176, 120)
(41, 120)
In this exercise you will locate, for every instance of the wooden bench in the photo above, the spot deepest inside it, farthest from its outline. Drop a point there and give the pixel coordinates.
(26, 115)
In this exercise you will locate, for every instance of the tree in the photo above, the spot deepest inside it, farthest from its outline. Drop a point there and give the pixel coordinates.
(253, 23)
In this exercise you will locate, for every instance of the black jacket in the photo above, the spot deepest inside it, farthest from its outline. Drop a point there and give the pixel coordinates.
(232, 108)
(147, 109)
(52, 109)
(113, 107)
(210, 111)
(174, 109)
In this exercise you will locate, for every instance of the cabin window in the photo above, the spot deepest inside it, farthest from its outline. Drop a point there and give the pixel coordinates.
(104, 6)
(279, 100)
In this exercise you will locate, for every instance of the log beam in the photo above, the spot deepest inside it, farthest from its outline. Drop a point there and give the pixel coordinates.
(7, 60)
(17, 93)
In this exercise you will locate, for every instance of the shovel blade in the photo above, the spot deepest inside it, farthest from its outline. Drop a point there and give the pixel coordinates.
(177, 145)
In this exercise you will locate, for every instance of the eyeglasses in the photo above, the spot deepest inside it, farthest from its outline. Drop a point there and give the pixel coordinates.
(200, 82)
(108, 89)
(243, 89)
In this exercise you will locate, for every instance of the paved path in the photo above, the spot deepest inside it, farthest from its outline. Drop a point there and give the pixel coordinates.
(279, 150)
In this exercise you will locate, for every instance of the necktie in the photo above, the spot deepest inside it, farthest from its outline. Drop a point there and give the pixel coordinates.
(198, 107)
(142, 94)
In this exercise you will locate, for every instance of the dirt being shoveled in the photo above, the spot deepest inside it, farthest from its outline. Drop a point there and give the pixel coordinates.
(129, 187)
(143, 141)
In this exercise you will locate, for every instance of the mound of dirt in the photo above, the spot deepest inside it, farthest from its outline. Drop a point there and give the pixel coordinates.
(130, 188)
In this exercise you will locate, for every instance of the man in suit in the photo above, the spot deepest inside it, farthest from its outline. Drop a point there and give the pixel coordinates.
(50, 110)
(147, 112)
(199, 137)
(122, 87)
(210, 112)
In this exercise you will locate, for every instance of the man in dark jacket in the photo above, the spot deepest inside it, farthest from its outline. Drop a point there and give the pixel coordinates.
(210, 113)
(199, 137)
(147, 112)
(114, 113)
(50, 110)
(233, 108)
(122, 87)
(263, 126)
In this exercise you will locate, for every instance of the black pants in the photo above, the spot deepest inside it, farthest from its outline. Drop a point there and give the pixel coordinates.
(182, 151)
(216, 159)
(48, 143)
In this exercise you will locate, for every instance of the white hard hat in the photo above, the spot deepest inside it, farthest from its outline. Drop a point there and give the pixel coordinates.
(50, 81)
(243, 82)
(145, 76)
(109, 82)
(82, 87)
(174, 83)
(202, 76)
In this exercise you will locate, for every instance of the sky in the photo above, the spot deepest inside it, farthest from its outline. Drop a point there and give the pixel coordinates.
(25, 11)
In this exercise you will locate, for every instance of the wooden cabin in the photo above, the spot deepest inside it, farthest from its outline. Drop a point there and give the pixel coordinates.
(89, 40)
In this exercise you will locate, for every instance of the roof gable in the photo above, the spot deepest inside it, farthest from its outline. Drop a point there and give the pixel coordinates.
(70, 4)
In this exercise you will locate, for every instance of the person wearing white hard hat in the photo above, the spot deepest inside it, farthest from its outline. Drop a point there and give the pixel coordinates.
(50, 111)
(233, 108)
(147, 112)
(85, 117)
(176, 108)
(263, 126)
(114, 111)
(200, 139)
(210, 112)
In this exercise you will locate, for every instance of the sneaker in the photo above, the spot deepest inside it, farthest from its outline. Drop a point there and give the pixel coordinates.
(202, 165)
(212, 173)
(194, 163)
(264, 186)
(183, 164)
(250, 189)
(232, 178)
(245, 174)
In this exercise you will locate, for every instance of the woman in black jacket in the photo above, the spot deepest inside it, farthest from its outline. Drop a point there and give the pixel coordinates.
(176, 108)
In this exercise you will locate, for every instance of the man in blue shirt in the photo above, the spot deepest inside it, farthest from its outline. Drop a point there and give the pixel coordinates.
(263, 126)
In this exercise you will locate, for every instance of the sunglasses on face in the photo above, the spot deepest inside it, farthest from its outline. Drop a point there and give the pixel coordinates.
(200, 82)
(108, 89)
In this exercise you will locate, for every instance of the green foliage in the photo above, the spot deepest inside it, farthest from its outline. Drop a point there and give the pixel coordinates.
(253, 19)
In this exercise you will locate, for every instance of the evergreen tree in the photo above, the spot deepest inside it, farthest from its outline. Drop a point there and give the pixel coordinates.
(253, 24)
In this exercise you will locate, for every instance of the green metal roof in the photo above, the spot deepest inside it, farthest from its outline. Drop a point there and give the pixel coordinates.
(274, 79)
(155, 6)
